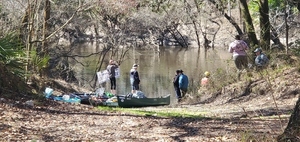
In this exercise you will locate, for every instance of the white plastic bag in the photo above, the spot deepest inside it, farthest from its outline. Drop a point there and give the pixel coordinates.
(48, 92)
(100, 91)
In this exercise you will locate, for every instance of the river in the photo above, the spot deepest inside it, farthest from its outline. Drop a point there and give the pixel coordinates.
(156, 69)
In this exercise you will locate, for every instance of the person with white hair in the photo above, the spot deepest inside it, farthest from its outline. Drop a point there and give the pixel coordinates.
(134, 79)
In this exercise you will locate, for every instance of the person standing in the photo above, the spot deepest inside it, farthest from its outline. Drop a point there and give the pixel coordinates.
(176, 85)
(261, 59)
(134, 79)
(111, 68)
(183, 83)
(238, 48)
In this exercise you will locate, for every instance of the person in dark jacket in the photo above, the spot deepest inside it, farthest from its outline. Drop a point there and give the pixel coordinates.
(176, 85)
(111, 68)
(183, 83)
(134, 79)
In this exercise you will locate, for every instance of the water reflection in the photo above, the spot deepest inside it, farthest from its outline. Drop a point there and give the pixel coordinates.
(156, 69)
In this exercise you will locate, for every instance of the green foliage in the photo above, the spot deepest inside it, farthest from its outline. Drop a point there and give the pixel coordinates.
(157, 6)
(12, 54)
(222, 78)
(253, 9)
(248, 136)
(276, 4)
(38, 62)
(296, 51)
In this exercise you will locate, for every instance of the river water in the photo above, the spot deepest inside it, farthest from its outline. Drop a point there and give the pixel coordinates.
(156, 69)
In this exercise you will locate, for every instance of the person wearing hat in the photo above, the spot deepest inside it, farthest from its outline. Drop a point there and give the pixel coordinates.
(176, 85)
(134, 78)
(183, 83)
(205, 80)
(111, 68)
(261, 60)
(238, 49)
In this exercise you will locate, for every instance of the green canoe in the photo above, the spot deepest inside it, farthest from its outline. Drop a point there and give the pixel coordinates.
(128, 102)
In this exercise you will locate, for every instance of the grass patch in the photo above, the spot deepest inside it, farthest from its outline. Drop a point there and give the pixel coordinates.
(160, 113)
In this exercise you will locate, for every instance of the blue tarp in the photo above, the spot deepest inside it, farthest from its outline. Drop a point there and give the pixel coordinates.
(64, 98)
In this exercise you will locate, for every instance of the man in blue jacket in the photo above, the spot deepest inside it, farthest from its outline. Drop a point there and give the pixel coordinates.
(183, 83)
(176, 85)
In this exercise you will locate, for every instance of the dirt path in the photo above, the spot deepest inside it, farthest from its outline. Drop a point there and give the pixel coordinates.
(233, 115)
(65, 122)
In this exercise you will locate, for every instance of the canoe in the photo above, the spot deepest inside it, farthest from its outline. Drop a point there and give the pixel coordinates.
(95, 100)
(113, 102)
(127, 102)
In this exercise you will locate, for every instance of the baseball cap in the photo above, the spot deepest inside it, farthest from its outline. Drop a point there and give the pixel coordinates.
(257, 50)
(135, 65)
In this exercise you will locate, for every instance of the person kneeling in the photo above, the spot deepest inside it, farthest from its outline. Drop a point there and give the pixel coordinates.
(261, 60)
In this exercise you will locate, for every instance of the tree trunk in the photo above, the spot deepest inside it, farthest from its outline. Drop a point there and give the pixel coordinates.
(275, 38)
(43, 51)
(196, 32)
(286, 27)
(23, 28)
(214, 35)
(27, 33)
(175, 33)
(193, 18)
(250, 29)
(292, 131)
(236, 26)
(264, 24)
(249, 24)
(47, 10)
